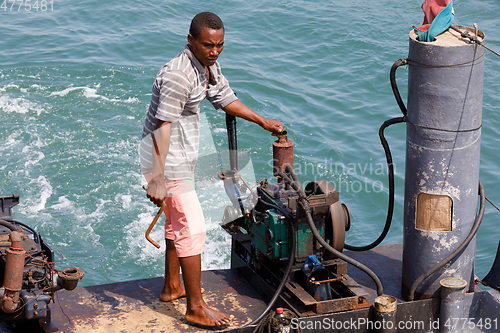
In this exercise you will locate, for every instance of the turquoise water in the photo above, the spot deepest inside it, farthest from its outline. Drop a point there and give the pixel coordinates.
(75, 84)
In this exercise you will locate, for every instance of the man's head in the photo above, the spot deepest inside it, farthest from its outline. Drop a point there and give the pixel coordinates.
(206, 37)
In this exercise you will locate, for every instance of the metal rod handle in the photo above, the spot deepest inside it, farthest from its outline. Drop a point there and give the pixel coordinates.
(160, 211)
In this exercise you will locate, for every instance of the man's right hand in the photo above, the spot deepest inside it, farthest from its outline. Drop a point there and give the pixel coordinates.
(157, 192)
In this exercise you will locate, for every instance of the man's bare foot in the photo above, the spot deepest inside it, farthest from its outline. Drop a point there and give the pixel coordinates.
(168, 295)
(203, 315)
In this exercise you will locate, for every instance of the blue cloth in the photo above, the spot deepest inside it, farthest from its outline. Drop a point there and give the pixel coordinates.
(441, 22)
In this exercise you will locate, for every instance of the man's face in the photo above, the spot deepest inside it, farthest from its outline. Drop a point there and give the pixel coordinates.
(207, 46)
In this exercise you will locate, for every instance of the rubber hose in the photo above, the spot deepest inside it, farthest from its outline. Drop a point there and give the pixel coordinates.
(8, 225)
(395, 90)
(291, 259)
(390, 167)
(462, 246)
(307, 208)
(278, 208)
(35, 234)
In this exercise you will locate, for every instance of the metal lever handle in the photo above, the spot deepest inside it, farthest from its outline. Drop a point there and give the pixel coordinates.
(160, 211)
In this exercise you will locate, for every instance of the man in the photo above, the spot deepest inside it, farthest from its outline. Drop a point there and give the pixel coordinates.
(169, 151)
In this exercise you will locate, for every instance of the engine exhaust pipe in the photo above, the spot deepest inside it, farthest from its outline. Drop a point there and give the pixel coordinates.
(68, 278)
(13, 276)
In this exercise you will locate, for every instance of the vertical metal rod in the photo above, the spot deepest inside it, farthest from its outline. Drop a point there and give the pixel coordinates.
(232, 141)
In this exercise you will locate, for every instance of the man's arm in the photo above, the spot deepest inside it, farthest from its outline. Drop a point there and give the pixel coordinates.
(157, 191)
(238, 109)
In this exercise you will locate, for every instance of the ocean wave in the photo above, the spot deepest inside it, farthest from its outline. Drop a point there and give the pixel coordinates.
(92, 93)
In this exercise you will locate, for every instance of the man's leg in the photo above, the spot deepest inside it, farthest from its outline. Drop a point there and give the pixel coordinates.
(197, 310)
(173, 287)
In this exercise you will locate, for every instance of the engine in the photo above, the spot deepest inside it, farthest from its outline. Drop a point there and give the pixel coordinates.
(28, 275)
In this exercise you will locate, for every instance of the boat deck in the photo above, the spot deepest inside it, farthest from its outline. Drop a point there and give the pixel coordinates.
(134, 306)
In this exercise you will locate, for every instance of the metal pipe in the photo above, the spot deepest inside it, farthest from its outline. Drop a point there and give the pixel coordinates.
(452, 304)
(232, 141)
(326, 281)
(13, 276)
(68, 278)
(385, 314)
(282, 154)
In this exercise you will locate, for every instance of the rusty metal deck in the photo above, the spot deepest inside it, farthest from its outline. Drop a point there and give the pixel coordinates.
(134, 306)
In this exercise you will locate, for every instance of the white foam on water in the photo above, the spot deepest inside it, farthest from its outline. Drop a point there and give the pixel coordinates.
(18, 105)
(11, 141)
(8, 86)
(39, 201)
(37, 86)
(125, 199)
(138, 246)
(92, 93)
(88, 92)
(36, 157)
(99, 214)
(217, 249)
(63, 203)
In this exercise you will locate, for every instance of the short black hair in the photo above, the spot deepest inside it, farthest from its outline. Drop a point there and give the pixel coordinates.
(205, 20)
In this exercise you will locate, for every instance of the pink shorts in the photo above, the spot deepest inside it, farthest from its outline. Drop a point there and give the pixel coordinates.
(184, 223)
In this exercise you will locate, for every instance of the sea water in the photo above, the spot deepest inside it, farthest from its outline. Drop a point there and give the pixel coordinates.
(75, 85)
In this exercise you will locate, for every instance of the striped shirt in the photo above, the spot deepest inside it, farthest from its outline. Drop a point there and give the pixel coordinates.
(179, 88)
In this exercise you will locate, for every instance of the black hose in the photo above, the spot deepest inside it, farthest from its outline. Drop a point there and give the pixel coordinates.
(395, 90)
(462, 246)
(300, 191)
(291, 260)
(36, 236)
(390, 167)
(388, 155)
(278, 208)
(8, 225)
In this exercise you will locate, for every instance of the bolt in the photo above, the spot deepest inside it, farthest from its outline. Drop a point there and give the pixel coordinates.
(35, 305)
